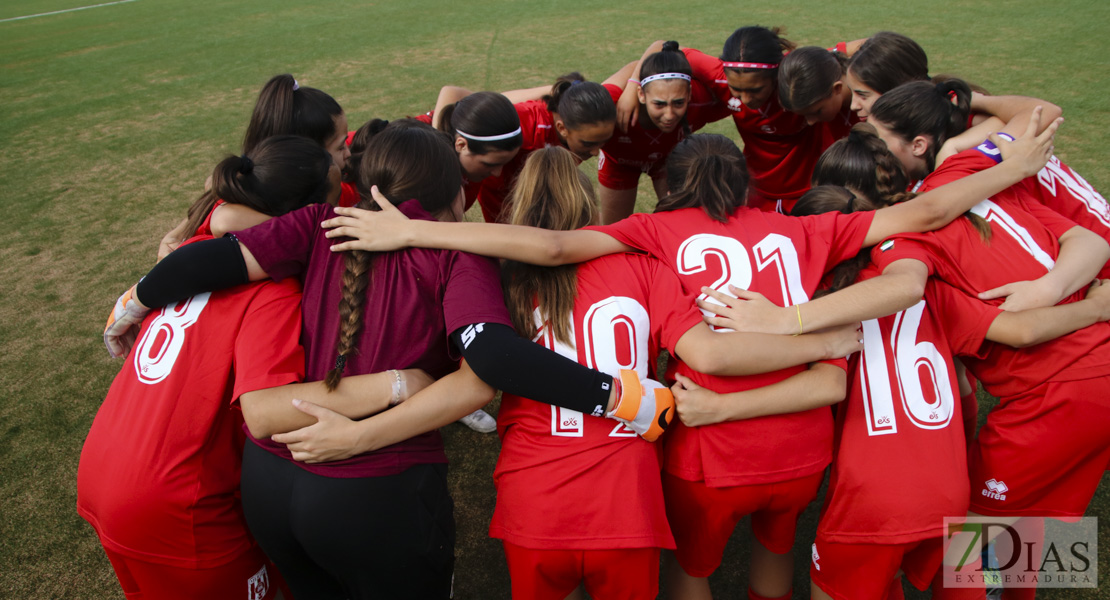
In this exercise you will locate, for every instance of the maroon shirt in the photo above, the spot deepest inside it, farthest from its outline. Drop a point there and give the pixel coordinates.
(417, 297)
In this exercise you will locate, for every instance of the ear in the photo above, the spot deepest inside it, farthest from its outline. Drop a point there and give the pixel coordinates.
(561, 128)
(460, 144)
(838, 87)
(919, 145)
(640, 95)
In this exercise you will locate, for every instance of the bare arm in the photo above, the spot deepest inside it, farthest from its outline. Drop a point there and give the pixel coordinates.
(936, 208)
(271, 410)
(628, 107)
(388, 229)
(1030, 327)
(172, 239)
(234, 217)
(969, 139)
(901, 285)
(335, 437)
(821, 385)
(736, 353)
(1015, 111)
(1082, 255)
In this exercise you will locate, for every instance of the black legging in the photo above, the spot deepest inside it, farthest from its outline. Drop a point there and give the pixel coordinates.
(372, 537)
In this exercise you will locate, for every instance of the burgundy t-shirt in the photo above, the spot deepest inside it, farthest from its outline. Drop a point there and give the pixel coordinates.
(417, 297)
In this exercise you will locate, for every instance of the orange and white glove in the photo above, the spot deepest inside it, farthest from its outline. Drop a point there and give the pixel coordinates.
(124, 324)
(644, 405)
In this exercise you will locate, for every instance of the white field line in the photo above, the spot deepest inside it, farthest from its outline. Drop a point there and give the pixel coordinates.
(58, 12)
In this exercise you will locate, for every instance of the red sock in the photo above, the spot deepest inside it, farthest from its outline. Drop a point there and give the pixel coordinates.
(940, 592)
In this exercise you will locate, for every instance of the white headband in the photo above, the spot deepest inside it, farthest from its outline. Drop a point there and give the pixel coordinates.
(649, 79)
(490, 138)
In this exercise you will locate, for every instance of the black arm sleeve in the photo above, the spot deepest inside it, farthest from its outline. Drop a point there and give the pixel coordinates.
(515, 365)
(198, 267)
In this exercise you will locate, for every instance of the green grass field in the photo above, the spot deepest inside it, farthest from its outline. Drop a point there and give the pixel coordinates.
(114, 116)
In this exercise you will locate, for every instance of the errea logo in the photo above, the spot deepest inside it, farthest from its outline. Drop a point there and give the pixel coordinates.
(816, 557)
(735, 104)
(995, 489)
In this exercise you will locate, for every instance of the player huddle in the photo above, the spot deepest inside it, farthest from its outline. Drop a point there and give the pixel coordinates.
(340, 259)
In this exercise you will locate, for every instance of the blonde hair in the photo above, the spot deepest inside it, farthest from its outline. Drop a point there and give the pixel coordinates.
(553, 194)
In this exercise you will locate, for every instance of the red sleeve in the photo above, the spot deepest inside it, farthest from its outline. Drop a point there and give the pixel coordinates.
(902, 247)
(268, 352)
(965, 320)
(1052, 220)
(961, 165)
(706, 69)
(614, 91)
(637, 231)
(846, 233)
(670, 308)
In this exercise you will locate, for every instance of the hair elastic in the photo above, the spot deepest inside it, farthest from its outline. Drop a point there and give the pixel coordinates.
(246, 165)
(296, 86)
(650, 78)
(490, 138)
(400, 391)
(747, 65)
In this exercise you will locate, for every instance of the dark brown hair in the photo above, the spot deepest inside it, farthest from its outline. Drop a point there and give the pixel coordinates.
(861, 161)
(281, 174)
(807, 75)
(887, 60)
(406, 160)
(553, 194)
(706, 171)
(579, 102)
(936, 111)
(483, 114)
(285, 108)
(755, 44)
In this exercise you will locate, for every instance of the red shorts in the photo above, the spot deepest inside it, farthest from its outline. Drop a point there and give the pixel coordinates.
(615, 176)
(702, 518)
(1043, 453)
(865, 571)
(629, 573)
(251, 576)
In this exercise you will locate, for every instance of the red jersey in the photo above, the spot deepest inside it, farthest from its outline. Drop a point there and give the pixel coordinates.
(901, 462)
(348, 195)
(159, 473)
(1056, 186)
(783, 258)
(1024, 245)
(538, 129)
(780, 148)
(205, 228)
(554, 461)
(441, 290)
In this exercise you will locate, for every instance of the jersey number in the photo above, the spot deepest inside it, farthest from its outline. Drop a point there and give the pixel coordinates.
(615, 336)
(775, 251)
(916, 365)
(163, 340)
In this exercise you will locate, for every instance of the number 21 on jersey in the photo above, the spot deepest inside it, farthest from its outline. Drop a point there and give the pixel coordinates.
(774, 250)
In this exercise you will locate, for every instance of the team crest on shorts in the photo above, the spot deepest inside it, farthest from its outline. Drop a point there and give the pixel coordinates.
(258, 585)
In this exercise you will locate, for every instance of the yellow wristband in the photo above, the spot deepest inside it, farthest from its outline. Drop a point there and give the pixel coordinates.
(798, 309)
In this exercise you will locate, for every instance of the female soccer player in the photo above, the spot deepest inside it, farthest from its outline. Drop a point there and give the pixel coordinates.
(577, 114)
(705, 234)
(811, 84)
(285, 108)
(780, 147)
(671, 106)
(1043, 474)
(387, 478)
(169, 434)
(614, 312)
